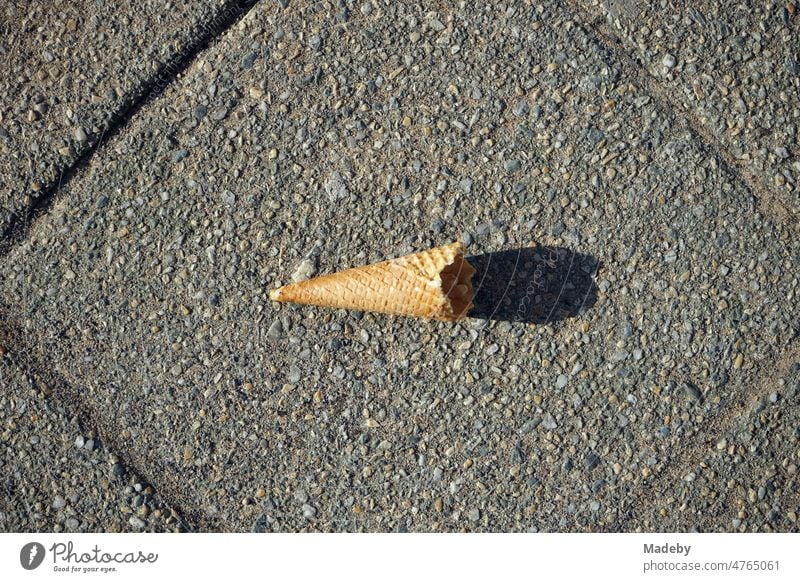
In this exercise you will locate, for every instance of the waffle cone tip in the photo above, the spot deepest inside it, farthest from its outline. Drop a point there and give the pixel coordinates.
(432, 284)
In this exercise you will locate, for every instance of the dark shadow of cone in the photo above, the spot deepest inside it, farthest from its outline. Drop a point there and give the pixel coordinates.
(533, 285)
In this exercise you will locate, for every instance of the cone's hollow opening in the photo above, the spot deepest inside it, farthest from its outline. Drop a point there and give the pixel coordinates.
(456, 280)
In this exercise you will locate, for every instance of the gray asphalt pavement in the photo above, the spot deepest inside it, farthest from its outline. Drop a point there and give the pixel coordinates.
(632, 364)
(73, 73)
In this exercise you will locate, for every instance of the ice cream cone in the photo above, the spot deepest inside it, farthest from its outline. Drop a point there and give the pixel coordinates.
(433, 284)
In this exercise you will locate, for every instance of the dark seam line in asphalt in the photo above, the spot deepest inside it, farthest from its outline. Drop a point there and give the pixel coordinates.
(19, 226)
(599, 31)
(11, 338)
(34, 381)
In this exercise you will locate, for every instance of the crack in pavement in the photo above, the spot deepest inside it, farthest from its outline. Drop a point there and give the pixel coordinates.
(20, 225)
(11, 334)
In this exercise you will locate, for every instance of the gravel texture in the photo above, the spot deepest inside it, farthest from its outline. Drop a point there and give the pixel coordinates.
(70, 69)
(732, 67)
(56, 476)
(600, 368)
(747, 479)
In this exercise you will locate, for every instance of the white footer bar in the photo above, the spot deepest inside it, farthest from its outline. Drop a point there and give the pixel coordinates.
(407, 557)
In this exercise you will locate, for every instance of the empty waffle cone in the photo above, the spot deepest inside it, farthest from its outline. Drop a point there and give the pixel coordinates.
(433, 284)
